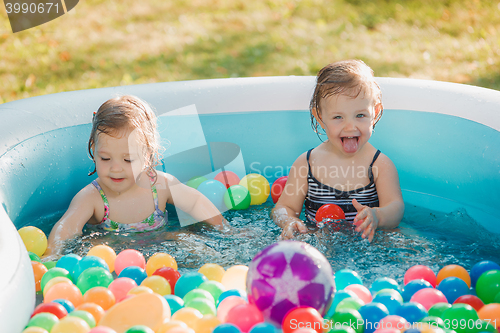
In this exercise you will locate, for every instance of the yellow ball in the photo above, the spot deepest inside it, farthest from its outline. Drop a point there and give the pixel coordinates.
(235, 277)
(105, 253)
(189, 316)
(34, 329)
(140, 290)
(158, 284)
(55, 280)
(258, 186)
(168, 325)
(212, 272)
(206, 324)
(70, 324)
(34, 239)
(159, 260)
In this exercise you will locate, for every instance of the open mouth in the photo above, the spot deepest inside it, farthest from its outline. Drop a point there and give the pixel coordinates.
(117, 180)
(350, 143)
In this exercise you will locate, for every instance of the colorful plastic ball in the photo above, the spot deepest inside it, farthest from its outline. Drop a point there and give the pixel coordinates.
(189, 316)
(88, 317)
(198, 293)
(226, 305)
(206, 324)
(348, 317)
(481, 267)
(361, 291)
(95, 310)
(490, 313)
(175, 302)
(457, 313)
(237, 197)
(56, 280)
(121, 286)
(345, 277)
(55, 308)
(245, 316)
(428, 297)
(136, 273)
(171, 324)
(437, 309)
(226, 328)
(263, 328)
(64, 302)
(303, 314)
(214, 288)
(412, 312)
(44, 320)
(339, 296)
(212, 271)
(329, 212)
(258, 186)
(418, 272)
(278, 187)
(39, 270)
(138, 290)
(235, 277)
(372, 313)
(394, 293)
(101, 296)
(49, 264)
(228, 178)
(158, 284)
(453, 287)
(139, 329)
(71, 324)
(34, 257)
(214, 191)
(487, 286)
(394, 322)
(86, 263)
(472, 300)
(68, 261)
(233, 292)
(128, 258)
(391, 302)
(195, 181)
(106, 253)
(52, 273)
(159, 260)
(453, 271)
(412, 287)
(34, 239)
(341, 329)
(65, 291)
(350, 303)
(188, 282)
(172, 275)
(384, 282)
(34, 329)
(434, 321)
(94, 277)
(205, 306)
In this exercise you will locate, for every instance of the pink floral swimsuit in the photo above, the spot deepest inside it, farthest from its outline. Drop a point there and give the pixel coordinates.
(157, 219)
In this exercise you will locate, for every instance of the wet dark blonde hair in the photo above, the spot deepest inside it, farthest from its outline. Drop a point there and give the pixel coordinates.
(128, 112)
(349, 78)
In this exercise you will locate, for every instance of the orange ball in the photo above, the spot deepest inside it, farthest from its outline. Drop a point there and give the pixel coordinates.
(453, 270)
(95, 310)
(169, 324)
(159, 260)
(188, 315)
(491, 313)
(65, 291)
(206, 324)
(54, 281)
(101, 296)
(105, 253)
(38, 270)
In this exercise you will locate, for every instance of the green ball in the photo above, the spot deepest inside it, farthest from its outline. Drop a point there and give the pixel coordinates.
(460, 317)
(237, 197)
(434, 321)
(205, 306)
(34, 257)
(94, 277)
(52, 273)
(347, 317)
(214, 288)
(44, 320)
(437, 309)
(139, 329)
(85, 316)
(198, 293)
(488, 286)
(350, 303)
(50, 264)
(342, 329)
(196, 181)
(484, 326)
(497, 298)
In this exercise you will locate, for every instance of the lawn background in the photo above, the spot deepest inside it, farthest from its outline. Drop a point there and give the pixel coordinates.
(103, 43)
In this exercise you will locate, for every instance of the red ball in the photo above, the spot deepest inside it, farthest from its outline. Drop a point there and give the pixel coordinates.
(330, 211)
(228, 178)
(472, 300)
(244, 316)
(55, 308)
(278, 187)
(172, 275)
(302, 317)
(418, 272)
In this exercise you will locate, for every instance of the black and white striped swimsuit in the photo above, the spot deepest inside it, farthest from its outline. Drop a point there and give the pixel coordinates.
(319, 194)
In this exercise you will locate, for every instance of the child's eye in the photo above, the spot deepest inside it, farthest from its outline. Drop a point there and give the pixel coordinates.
(129, 161)
(105, 159)
(337, 117)
(360, 115)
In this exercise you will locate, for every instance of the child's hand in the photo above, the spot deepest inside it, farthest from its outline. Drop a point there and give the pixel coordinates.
(291, 228)
(366, 220)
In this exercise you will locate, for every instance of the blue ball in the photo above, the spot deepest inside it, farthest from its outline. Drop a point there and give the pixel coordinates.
(226, 328)
(87, 262)
(391, 302)
(263, 328)
(175, 303)
(480, 268)
(345, 277)
(453, 287)
(135, 273)
(384, 283)
(372, 313)
(188, 282)
(412, 287)
(412, 312)
(232, 292)
(67, 304)
(214, 190)
(339, 296)
(68, 261)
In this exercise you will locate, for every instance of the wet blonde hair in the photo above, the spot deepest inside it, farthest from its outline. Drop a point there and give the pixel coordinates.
(128, 112)
(349, 78)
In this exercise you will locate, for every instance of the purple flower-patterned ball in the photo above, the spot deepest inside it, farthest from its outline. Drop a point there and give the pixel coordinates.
(289, 274)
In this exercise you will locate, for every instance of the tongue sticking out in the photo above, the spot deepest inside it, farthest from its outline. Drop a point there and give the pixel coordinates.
(350, 145)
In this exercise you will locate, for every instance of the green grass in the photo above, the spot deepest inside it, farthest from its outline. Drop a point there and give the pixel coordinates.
(103, 43)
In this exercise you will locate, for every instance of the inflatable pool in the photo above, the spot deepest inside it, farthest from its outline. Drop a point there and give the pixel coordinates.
(444, 139)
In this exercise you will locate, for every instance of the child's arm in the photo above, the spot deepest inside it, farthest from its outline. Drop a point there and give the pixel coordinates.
(80, 210)
(391, 209)
(287, 210)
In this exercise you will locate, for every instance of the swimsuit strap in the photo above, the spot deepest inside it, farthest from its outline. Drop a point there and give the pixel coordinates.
(370, 173)
(104, 199)
(309, 165)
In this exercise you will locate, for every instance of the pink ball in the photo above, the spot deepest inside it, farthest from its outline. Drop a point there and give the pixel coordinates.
(393, 322)
(244, 316)
(227, 304)
(128, 258)
(361, 291)
(428, 297)
(102, 329)
(418, 272)
(121, 286)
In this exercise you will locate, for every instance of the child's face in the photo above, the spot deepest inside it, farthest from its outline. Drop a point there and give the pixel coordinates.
(348, 122)
(118, 160)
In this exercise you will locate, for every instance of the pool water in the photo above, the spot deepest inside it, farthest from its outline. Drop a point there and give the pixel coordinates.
(424, 237)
